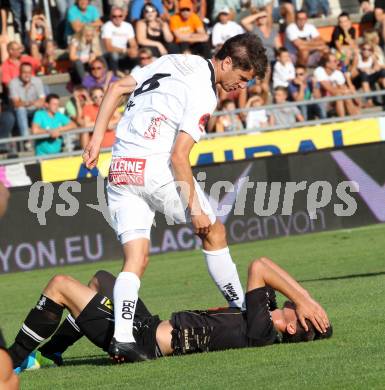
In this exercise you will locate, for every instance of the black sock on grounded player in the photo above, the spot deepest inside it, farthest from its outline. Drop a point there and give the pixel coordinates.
(40, 324)
(67, 334)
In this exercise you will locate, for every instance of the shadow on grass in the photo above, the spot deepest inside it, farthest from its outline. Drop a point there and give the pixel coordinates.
(93, 360)
(367, 275)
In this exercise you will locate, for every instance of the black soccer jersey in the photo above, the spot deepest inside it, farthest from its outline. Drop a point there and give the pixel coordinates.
(219, 329)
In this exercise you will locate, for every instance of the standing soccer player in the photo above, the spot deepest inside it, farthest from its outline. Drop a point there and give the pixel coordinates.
(171, 101)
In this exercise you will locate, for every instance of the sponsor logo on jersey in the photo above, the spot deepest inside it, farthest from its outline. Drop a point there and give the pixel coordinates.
(203, 122)
(107, 303)
(153, 130)
(125, 170)
(229, 292)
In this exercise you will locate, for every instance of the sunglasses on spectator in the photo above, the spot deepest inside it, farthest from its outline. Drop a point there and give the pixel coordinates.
(144, 58)
(96, 67)
(185, 10)
(117, 16)
(300, 74)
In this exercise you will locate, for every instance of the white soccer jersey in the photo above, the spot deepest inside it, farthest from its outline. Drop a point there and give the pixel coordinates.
(174, 93)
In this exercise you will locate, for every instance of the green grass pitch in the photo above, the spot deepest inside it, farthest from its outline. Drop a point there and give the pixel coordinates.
(344, 270)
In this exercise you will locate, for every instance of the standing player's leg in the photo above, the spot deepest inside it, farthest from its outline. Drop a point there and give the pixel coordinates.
(133, 219)
(220, 265)
(42, 321)
(217, 254)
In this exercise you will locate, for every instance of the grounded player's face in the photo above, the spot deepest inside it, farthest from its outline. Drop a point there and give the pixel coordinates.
(234, 78)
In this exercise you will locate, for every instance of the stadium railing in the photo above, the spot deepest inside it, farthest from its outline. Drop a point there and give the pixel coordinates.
(313, 122)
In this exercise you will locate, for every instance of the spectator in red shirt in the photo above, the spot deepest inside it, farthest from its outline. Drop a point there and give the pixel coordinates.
(11, 67)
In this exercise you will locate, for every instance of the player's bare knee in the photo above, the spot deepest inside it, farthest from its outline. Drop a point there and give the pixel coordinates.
(57, 285)
(217, 236)
(256, 266)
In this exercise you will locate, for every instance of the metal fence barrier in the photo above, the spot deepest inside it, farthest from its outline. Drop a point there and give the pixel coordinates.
(329, 99)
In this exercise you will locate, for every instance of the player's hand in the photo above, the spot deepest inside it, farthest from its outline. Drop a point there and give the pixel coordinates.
(313, 311)
(91, 155)
(201, 224)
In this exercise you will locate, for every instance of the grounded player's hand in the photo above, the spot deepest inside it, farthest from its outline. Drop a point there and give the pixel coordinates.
(91, 155)
(201, 224)
(309, 309)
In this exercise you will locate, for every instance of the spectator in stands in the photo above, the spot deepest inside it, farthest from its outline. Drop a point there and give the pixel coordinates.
(233, 5)
(138, 5)
(284, 70)
(11, 67)
(262, 26)
(7, 123)
(224, 28)
(366, 71)
(189, 31)
(22, 14)
(344, 39)
(74, 106)
(316, 8)
(304, 87)
(373, 38)
(90, 111)
(80, 14)
(154, 33)
(304, 42)
(99, 75)
(62, 7)
(169, 8)
(84, 48)
(281, 11)
(41, 43)
(283, 116)
(27, 95)
(51, 121)
(119, 40)
(228, 122)
(333, 83)
(257, 118)
(145, 57)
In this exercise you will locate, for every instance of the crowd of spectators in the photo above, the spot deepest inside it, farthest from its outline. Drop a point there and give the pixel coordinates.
(101, 41)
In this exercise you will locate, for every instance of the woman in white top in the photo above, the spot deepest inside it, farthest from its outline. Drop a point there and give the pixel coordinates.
(366, 71)
(84, 48)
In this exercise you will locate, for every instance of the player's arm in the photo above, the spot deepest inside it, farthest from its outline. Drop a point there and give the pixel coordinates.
(261, 274)
(109, 104)
(183, 175)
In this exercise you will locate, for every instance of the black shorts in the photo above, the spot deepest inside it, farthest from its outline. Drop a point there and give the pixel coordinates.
(97, 323)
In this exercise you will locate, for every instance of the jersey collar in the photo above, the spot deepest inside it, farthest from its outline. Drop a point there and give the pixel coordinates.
(212, 76)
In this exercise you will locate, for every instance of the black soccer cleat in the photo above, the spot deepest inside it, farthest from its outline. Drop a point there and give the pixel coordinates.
(130, 352)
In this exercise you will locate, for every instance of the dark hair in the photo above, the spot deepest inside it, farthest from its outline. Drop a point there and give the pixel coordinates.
(299, 66)
(301, 11)
(325, 58)
(247, 53)
(51, 96)
(25, 64)
(101, 60)
(282, 50)
(148, 5)
(302, 336)
(342, 14)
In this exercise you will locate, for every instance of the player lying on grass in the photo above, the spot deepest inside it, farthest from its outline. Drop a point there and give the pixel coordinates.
(186, 332)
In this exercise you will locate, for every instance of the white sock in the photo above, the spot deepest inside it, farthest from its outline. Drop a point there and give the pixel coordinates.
(125, 298)
(224, 273)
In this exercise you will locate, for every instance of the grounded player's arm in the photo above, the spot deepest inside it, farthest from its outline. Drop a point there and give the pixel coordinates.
(261, 275)
(183, 175)
(109, 104)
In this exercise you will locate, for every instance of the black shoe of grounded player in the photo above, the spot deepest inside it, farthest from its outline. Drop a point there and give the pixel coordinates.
(130, 352)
